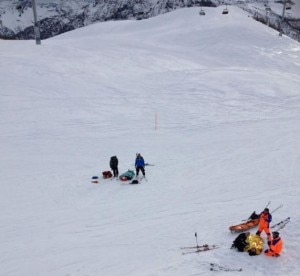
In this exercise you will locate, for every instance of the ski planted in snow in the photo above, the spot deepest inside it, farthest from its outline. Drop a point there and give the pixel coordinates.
(217, 267)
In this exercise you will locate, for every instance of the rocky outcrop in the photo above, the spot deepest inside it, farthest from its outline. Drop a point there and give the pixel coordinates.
(63, 16)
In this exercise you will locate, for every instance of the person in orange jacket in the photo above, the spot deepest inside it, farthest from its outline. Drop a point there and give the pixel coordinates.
(264, 220)
(275, 246)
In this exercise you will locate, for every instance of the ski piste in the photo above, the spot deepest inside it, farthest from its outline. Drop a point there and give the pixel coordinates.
(217, 267)
(280, 225)
(199, 249)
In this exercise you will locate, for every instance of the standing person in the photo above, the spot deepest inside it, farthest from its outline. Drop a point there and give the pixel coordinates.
(275, 246)
(264, 220)
(139, 164)
(114, 165)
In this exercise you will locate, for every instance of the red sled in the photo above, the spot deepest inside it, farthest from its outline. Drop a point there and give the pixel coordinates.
(244, 226)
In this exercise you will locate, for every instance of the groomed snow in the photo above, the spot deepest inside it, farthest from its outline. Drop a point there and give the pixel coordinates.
(226, 93)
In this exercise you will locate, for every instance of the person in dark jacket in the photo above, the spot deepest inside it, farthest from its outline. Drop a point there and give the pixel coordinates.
(114, 165)
(240, 242)
(139, 164)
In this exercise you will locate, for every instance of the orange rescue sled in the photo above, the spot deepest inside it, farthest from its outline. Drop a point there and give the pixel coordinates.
(244, 226)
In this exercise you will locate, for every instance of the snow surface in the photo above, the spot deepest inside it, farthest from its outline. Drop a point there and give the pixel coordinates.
(226, 93)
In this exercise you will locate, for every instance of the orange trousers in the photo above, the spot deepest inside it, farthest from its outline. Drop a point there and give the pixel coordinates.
(266, 230)
(268, 252)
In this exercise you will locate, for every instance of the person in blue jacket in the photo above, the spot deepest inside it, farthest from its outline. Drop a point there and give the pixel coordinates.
(139, 164)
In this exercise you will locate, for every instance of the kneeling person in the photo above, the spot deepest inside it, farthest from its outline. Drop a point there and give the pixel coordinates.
(275, 246)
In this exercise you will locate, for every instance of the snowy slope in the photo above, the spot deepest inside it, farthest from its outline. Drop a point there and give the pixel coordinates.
(227, 102)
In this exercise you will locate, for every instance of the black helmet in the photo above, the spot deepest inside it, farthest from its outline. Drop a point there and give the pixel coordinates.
(275, 234)
(252, 252)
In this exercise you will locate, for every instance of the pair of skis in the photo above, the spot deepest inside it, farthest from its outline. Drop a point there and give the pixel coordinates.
(280, 225)
(206, 247)
(198, 248)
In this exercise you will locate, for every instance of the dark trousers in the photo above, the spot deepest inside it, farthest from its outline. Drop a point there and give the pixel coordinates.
(138, 168)
(115, 171)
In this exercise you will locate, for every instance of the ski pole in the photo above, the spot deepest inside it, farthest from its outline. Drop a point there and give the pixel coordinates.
(280, 206)
(268, 204)
(196, 239)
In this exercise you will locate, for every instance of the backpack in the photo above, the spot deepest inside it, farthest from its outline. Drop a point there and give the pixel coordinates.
(254, 216)
(135, 181)
(107, 174)
(95, 179)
